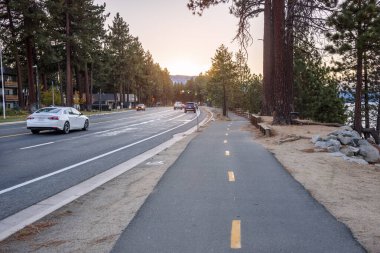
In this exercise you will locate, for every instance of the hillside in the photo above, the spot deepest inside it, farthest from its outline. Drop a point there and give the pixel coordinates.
(180, 78)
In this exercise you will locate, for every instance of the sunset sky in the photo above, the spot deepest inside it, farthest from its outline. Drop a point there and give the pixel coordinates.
(179, 41)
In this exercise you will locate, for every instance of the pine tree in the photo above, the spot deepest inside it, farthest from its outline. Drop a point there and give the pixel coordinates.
(222, 77)
(355, 33)
(316, 90)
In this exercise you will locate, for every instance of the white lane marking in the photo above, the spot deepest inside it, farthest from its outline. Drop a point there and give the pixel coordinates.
(177, 117)
(226, 134)
(114, 133)
(88, 160)
(39, 145)
(225, 141)
(227, 153)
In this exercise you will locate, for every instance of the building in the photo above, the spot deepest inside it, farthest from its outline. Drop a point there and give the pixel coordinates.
(110, 101)
(10, 89)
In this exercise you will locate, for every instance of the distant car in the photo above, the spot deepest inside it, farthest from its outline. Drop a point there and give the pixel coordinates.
(178, 105)
(140, 107)
(57, 118)
(191, 106)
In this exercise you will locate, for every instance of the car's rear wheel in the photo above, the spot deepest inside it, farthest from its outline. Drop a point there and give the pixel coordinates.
(86, 124)
(66, 128)
(35, 131)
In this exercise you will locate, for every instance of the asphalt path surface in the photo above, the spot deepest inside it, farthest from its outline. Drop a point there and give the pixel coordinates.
(225, 193)
(35, 167)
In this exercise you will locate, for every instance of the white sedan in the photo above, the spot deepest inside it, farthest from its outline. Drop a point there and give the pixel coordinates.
(57, 118)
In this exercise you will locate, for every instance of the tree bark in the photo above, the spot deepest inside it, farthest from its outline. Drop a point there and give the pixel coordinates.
(32, 90)
(282, 110)
(224, 100)
(69, 87)
(289, 53)
(268, 102)
(366, 97)
(87, 88)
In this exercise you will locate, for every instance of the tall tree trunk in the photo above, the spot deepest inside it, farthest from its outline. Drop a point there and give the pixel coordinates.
(69, 86)
(366, 97)
(224, 100)
(91, 86)
(122, 94)
(289, 52)
(358, 92)
(282, 107)
(14, 50)
(359, 80)
(268, 101)
(378, 107)
(87, 88)
(60, 84)
(127, 94)
(29, 55)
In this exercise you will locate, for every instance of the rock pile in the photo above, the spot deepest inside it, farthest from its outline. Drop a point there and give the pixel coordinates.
(349, 143)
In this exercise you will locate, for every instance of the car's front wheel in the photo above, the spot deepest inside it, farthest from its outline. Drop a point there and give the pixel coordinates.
(66, 128)
(86, 124)
(35, 131)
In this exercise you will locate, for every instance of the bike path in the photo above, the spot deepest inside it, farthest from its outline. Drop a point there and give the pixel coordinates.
(198, 207)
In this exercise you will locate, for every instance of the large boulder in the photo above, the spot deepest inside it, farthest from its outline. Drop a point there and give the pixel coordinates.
(331, 145)
(350, 151)
(346, 136)
(369, 152)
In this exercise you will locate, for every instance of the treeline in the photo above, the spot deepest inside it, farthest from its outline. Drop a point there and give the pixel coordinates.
(296, 77)
(65, 44)
(228, 84)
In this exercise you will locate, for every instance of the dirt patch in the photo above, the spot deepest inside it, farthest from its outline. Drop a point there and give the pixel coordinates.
(351, 192)
(33, 230)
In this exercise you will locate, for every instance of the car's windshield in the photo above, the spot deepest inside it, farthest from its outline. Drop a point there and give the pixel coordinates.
(49, 110)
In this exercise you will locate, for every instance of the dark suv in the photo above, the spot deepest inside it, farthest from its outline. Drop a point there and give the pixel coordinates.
(191, 106)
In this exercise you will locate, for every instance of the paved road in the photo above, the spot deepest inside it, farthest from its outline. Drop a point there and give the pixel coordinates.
(35, 167)
(225, 193)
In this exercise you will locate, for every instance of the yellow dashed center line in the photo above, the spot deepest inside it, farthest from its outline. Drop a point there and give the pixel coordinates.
(235, 235)
(231, 176)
